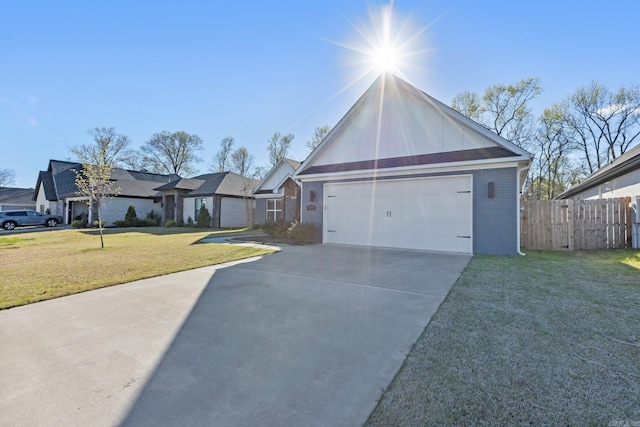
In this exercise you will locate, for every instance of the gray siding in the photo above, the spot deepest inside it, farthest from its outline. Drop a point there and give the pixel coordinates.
(290, 209)
(313, 216)
(261, 210)
(494, 220)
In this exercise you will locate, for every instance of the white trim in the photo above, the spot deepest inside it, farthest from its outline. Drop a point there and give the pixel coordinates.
(445, 111)
(274, 210)
(436, 168)
(272, 171)
(268, 195)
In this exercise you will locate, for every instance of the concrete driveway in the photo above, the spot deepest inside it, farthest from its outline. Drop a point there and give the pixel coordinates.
(310, 336)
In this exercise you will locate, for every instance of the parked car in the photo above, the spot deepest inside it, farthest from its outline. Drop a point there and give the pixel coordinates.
(20, 218)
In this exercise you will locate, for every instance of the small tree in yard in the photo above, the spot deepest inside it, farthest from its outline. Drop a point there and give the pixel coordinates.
(204, 218)
(94, 181)
(131, 216)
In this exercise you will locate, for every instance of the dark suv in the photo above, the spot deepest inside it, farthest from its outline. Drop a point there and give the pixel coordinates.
(12, 219)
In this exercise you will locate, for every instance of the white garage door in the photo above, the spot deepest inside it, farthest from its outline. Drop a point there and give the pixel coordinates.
(422, 213)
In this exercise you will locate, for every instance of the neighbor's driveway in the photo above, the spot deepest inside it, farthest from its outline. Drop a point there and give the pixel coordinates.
(309, 336)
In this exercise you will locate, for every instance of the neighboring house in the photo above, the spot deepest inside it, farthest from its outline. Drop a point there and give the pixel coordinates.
(226, 195)
(56, 190)
(16, 198)
(403, 170)
(278, 195)
(620, 178)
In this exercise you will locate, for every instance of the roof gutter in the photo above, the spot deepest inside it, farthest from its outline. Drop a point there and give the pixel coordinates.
(519, 173)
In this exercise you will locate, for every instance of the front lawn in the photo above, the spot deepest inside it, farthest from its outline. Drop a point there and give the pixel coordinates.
(43, 265)
(552, 338)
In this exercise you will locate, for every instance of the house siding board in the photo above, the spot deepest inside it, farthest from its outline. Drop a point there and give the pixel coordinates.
(261, 210)
(233, 212)
(115, 208)
(495, 226)
(312, 216)
(494, 220)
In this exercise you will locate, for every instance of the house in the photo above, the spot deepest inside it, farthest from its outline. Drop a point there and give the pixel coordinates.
(227, 196)
(278, 195)
(620, 178)
(16, 198)
(56, 191)
(403, 170)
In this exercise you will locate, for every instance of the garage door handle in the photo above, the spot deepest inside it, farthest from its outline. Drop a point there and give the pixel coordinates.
(331, 231)
(464, 237)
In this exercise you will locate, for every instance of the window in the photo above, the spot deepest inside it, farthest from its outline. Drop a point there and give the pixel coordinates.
(41, 209)
(274, 209)
(200, 203)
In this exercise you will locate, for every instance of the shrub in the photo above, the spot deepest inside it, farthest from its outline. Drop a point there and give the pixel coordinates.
(76, 223)
(131, 217)
(170, 223)
(275, 228)
(148, 222)
(96, 224)
(47, 211)
(190, 222)
(302, 232)
(119, 223)
(204, 218)
(156, 217)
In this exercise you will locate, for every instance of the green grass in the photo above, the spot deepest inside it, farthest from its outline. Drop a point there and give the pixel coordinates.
(49, 264)
(552, 338)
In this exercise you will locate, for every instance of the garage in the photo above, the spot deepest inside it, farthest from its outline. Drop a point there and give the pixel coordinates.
(403, 170)
(434, 213)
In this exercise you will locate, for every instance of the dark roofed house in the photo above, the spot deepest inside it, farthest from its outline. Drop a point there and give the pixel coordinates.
(16, 198)
(226, 195)
(620, 178)
(278, 195)
(56, 190)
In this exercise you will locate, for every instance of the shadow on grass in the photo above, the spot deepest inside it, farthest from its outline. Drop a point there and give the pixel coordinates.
(167, 231)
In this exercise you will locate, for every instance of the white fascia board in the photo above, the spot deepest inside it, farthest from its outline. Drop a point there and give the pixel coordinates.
(268, 195)
(510, 162)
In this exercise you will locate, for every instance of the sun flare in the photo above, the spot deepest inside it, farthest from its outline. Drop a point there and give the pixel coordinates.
(386, 43)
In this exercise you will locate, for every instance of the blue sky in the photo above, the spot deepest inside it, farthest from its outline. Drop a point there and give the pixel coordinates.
(250, 68)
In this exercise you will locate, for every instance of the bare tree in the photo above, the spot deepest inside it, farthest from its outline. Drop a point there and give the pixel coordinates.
(94, 181)
(318, 135)
(504, 109)
(172, 153)
(553, 171)
(241, 162)
(222, 156)
(108, 147)
(278, 147)
(469, 104)
(7, 177)
(606, 124)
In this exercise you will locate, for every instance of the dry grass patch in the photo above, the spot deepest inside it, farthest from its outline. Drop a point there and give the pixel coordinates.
(552, 338)
(45, 265)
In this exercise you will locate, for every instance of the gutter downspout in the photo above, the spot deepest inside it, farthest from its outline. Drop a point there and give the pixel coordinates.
(518, 173)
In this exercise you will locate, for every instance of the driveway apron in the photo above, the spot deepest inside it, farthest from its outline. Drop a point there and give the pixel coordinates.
(310, 336)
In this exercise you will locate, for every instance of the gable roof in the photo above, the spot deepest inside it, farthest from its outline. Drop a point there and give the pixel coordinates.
(16, 195)
(628, 162)
(59, 181)
(429, 132)
(220, 183)
(278, 174)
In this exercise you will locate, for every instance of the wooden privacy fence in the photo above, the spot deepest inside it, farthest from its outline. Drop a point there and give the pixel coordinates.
(576, 224)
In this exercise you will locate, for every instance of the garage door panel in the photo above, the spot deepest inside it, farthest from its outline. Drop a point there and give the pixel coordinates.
(424, 213)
